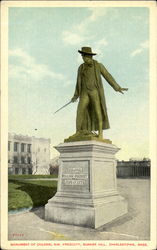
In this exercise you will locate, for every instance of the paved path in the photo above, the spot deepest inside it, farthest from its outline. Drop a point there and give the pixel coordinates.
(134, 226)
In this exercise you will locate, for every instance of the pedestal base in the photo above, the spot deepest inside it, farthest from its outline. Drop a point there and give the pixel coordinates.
(87, 216)
(87, 191)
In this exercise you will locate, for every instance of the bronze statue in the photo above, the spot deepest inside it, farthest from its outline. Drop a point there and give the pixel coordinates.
(92, 112)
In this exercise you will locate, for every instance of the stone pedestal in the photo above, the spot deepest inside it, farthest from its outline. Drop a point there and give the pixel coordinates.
(87, 190)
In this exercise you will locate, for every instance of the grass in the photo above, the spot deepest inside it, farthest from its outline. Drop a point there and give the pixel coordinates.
(29, 176)
(25, 194)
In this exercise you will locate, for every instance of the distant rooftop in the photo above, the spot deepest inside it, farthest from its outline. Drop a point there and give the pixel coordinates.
(18, 136)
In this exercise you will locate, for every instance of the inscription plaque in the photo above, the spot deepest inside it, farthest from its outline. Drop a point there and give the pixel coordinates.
(75, 176)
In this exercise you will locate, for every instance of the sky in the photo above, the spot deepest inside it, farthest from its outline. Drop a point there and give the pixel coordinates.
(43, 63)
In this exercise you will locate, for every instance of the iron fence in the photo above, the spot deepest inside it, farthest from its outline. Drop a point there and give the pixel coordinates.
(133, 169)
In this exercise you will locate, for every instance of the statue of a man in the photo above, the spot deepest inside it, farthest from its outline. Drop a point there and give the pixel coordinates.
(92, 111)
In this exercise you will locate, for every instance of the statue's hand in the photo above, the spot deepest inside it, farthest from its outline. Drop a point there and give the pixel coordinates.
(73, 99)
(122, 89)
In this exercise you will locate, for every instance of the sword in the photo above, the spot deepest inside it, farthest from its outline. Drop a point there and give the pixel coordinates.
(62, 107)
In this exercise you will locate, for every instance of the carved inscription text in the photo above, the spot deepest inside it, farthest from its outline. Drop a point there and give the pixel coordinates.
(75, 175)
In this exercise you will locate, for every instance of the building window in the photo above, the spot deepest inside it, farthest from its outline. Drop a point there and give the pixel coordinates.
(16, 170)
(22, 147)
(8, 160)
(22, 159)
(29, 160)
(29, 148)
(44, 149)
(38, 149)
(15, 146)
(9, 144)
(15, 159)
(29, 171)
(24, 171)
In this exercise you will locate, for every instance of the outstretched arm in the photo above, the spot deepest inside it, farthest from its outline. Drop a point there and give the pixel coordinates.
(109, 78)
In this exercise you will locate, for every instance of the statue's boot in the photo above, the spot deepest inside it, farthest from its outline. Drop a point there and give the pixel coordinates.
(100, 135)
(78, 132)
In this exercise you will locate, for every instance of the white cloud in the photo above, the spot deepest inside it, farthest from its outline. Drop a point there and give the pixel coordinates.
(96, 13)
(28, 67)
(101, 42)
(99, 46)
(136, 52)
(79, 33)
(72, 38)
(140, 49)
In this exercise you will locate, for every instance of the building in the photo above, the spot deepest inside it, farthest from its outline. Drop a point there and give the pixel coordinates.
(134, 168)
(28, 155)
(40, 155)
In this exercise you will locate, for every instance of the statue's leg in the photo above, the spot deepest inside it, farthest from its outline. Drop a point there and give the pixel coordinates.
(97, 107)
(83, 103)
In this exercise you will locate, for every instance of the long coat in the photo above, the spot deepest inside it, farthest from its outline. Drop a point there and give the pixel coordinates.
(90, 121)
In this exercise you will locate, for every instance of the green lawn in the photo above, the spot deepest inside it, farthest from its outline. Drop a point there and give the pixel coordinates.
(32, 193)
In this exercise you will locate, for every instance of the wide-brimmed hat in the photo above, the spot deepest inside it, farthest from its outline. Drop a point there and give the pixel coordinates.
(86, 50)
